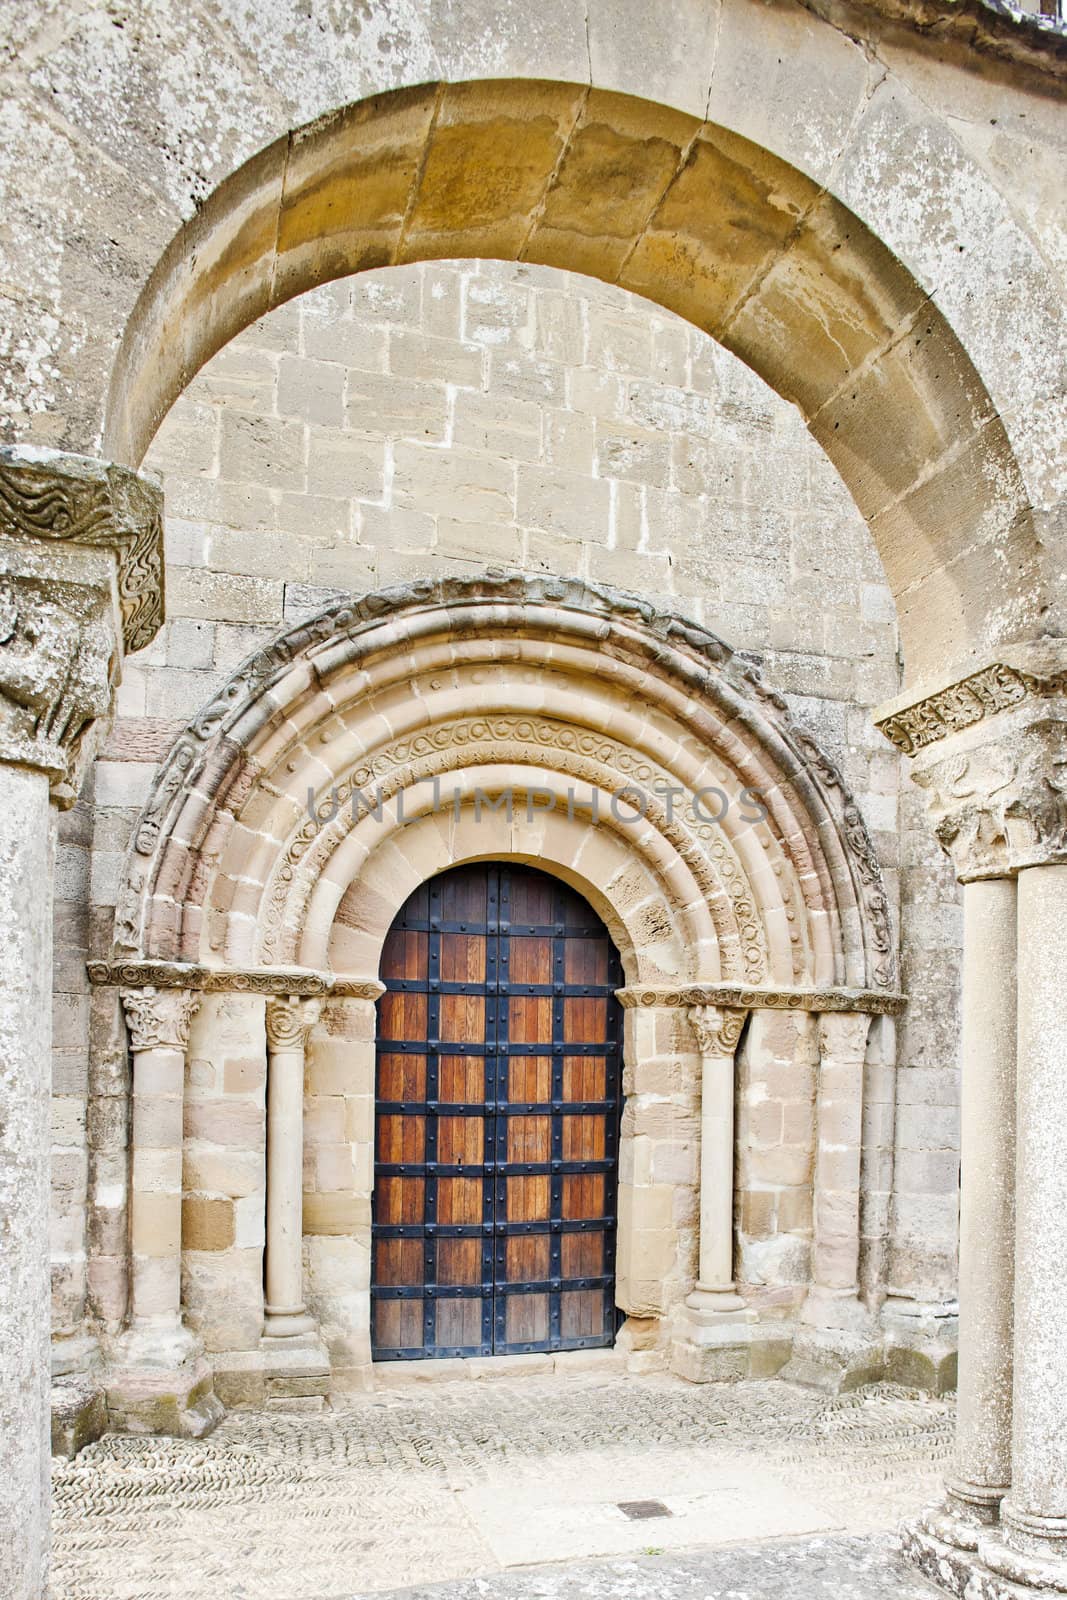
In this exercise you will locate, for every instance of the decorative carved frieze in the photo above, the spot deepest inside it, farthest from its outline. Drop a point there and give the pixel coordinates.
(76, 500)
(717, 1029)
(1036, 671)
(869, 1001)
(159, 1019)
(218, 980)
(290, 1020)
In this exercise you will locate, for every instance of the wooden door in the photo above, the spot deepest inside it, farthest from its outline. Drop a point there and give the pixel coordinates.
(498, 1085)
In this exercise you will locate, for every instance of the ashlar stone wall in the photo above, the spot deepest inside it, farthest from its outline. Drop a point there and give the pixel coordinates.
(442, 418)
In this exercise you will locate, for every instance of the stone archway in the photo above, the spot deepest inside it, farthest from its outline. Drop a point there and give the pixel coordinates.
(624, 749)
(686, 213)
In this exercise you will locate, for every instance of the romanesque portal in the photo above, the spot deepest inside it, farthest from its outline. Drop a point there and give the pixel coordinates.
(486, 556)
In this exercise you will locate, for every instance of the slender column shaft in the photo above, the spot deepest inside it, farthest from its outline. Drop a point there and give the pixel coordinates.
(25, 1040)
(987, 1196)
(717, 1032)
(1035, 1512)
(838, 1160)
(717, 1173)
(159, 1035)
(289, 1023)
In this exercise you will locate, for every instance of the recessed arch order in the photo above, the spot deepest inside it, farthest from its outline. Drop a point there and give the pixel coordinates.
(397, 735)
(682, 212)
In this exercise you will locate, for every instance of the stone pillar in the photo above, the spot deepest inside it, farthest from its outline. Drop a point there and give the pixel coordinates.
(289, 1024)
(1032, 1544)
(160, 1382)
(158, 1020)
(837, 1345)
(712, 1341)
(991, 751)
(80, 570)
(982, 1468)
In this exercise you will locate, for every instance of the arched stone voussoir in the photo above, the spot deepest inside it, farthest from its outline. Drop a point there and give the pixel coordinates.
(565, 686)
(736, 237)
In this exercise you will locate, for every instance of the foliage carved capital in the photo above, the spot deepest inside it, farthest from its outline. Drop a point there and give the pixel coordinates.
(159, 1019)
(717, 1029)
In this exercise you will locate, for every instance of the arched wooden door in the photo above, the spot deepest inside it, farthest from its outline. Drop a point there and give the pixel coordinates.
(498, 1083)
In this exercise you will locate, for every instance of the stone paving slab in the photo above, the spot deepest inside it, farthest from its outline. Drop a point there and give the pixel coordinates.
(842, 1568)
(456, 1481)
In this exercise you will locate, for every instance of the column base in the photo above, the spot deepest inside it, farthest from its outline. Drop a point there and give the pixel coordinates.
(287, 1322)
(972, 1575)
(834, 1360)
(967, 1512)
(921, 1344)
(281, 1375)
(718, 1338)
(160, 1382)
(1027, 1549)
(79, 1413)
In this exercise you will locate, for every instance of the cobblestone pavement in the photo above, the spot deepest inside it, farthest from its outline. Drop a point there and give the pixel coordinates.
(448, 1481)
(848, 1568)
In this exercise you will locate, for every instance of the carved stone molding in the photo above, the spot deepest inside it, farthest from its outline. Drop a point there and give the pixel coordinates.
(219, 980)
(1036, 671)
(999, 804)
(593, 758)
(622, 628)
(159, 1019)
(58, 666)
(990, 751)
(77, 500)
(290, 1020)
(717, 1029)
(870, 1002)
(80, 577)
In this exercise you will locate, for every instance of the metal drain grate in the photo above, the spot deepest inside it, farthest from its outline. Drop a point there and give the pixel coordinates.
(640, 1510)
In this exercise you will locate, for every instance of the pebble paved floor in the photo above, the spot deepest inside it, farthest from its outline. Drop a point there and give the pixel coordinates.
(430, 1484)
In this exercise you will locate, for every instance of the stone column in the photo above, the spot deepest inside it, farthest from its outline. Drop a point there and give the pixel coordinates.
(1032, 1546)
(713, 1340)
(289, 1024)
(833, 1300)
(159, 1382)
(837, 1345)
(982, 1469)
(158, 1021)
(80, 571)
(991, 752)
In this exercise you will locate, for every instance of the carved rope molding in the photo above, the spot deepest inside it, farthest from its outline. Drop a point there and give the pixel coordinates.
(159, 1019)
(727, 995)
(673, 642)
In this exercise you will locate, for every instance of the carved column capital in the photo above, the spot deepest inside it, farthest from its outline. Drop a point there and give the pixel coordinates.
(990, 752)
(717, 1029)
(80, 582)
(843, 1036)
(159, 1019)
(290, 1020)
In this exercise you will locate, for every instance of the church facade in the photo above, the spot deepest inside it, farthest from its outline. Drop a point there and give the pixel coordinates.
(533, 698)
